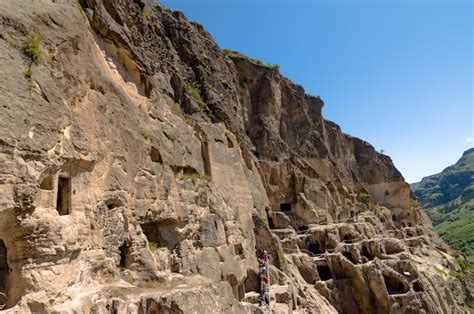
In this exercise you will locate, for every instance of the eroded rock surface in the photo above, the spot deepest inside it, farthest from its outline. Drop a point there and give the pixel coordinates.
(141, 168)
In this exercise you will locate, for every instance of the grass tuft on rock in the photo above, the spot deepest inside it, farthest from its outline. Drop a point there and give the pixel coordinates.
(195, 94)
(153, 246)
(28, 73)
(31, 47)
(230, 53)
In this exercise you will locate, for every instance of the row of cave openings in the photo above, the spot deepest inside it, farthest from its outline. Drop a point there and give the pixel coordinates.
(288, 208)
(393, 284)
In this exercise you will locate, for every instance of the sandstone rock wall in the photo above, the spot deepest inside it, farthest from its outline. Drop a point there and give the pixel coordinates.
(141, 168)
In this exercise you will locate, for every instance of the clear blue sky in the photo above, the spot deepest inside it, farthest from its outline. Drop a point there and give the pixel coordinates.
(398, 74)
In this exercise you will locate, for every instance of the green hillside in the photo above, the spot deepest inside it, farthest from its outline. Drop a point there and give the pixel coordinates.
(448, 199)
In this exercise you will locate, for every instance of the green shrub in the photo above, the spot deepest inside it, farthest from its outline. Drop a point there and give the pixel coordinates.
(195, 94)
(363, 197)
(281, 258)
(100, 258)
(441, 271)
(153, 246)
(149, 283)
(465, 265)
(28, 73)
(273, 66)
(31, 47)
(229, 52)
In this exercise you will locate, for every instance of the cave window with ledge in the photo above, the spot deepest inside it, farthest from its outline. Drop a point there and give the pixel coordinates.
(348, 255)
(271, 225)
(303, 228)
(285, 207)
(324, 272)
(123, 249)
(348, 238)
(365, 252)
(315, 248)
(4, 270)
(394, 285)
(418, 287)
(63, 200)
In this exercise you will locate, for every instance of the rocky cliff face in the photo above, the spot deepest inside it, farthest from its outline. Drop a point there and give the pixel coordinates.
(142, 167)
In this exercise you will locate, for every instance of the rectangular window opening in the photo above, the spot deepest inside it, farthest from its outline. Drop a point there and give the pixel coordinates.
(63, 202)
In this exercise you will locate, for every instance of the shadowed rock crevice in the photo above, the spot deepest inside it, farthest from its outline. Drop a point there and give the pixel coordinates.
(4, 271)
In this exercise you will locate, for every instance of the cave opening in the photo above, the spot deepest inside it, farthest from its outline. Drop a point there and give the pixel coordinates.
(365, 252)
(324, 272)
(162, 234)
(314, 248)
(348, 255)
(271, 225)
(123, 249)
(285, 207)
(394, 285)
(252, 282)
(348, 238)
(303, 228)
(155, 155)
(4, 270)
(418, 287)
(239, 250)
(63, 200)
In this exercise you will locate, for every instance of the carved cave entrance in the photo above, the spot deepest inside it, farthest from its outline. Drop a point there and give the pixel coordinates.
(4, 270)
(163, 233)
(63, 201)
(271, 225)
(315, 248)
(285, 207)
(394, 285)
(324, 272)
(123, 249)
(348, 255)
(366, 253)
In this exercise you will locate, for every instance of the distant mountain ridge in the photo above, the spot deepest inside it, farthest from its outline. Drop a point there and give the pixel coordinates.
(448, 199)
